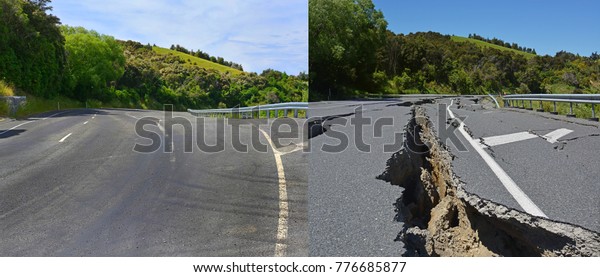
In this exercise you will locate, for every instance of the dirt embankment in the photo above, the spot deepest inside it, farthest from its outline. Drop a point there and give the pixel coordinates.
(443, 219)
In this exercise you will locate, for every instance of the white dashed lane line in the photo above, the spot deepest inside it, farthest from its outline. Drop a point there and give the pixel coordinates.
(65, 137)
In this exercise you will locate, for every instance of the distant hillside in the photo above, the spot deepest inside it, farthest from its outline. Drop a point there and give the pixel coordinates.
(192, 60)
(490, 45)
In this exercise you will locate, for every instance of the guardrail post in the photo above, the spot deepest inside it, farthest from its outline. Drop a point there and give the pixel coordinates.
(541, 109)
(295, 113)
(571, 114)
(554, 112)
(530, 105)
(522, 104)
(594, 118)
(285, 112)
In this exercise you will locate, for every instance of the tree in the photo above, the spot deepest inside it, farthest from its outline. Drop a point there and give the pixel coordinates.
(344, 38)
(31, 47)
(95, 62)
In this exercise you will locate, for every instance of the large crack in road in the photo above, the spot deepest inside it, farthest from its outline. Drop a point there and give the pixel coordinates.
(441, 218)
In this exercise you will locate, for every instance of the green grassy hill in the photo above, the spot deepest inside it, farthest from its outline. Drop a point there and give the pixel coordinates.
(191, 60)
(487, 44)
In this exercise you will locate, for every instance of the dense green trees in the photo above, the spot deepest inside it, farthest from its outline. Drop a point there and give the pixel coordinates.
(94, 62)
(31, 47)
(343, 41)
(434, 63)
(351, 51)
(152, 79)
(42, 58)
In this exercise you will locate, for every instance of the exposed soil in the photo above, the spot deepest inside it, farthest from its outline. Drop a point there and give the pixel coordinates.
(443, 219)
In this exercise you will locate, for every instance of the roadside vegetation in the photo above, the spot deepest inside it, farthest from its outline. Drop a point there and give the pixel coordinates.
(352, 53)
(500, 45)
(191, 60)
(6, 89)
(50, 63)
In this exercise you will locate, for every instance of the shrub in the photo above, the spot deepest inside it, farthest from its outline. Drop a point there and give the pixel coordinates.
(6, 89)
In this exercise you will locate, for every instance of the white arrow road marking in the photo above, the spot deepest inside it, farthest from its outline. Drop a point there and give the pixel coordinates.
(504, 139)
(551, 137)
(63, 139)
(282, 226)
(510, 185)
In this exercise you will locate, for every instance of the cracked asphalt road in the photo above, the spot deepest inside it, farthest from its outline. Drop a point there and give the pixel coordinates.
(351, 213)
(560, 178)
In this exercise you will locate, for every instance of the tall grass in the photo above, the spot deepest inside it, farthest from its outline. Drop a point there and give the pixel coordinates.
(35, 105)
(3, 108)
(491, 45)
(191, 60)
(6, 89)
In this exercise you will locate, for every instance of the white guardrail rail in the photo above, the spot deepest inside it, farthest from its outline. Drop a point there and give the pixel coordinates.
(516, 99)
(269, 110)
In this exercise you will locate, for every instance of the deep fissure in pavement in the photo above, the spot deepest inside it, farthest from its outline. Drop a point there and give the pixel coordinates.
(442, 219)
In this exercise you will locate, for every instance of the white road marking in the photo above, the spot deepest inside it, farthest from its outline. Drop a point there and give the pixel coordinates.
(35, 118)
(298, 147)
(63, 139)
(282, 226)
(504, 139)
(160, 127)
(1, 133)
(553, 136)
(510, 185)
(85, 122)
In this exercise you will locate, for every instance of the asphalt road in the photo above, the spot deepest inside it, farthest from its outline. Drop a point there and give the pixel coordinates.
(560, 177)
(352, 214)
(72, 185)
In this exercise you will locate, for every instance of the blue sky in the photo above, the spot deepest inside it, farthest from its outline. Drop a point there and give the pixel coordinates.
(258, 34)
(548, 26)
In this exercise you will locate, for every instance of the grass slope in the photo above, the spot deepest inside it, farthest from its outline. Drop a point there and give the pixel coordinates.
(487, 44)
(190, 60)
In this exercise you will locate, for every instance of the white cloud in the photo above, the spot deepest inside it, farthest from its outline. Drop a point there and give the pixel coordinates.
(258, 34)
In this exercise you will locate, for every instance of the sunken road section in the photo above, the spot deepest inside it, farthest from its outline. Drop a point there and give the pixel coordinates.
(442, 219)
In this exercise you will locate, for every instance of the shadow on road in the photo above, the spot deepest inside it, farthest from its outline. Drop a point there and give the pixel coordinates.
(10, 133)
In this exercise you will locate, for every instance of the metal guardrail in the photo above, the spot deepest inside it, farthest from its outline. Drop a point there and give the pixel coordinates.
(255, 111)
(593, 99)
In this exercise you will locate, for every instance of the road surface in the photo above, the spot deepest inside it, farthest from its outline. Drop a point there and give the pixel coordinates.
(72, 185)
(551, 159)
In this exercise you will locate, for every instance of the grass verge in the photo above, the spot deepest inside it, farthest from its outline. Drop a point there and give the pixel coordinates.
(580, 110)
(3, 109)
